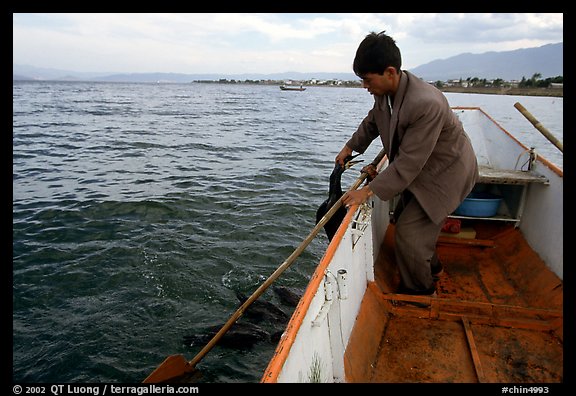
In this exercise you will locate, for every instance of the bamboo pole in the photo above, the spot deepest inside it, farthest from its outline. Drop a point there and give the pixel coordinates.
(547, 134)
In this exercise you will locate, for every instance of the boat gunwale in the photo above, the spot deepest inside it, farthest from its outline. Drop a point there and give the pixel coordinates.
(553, 167)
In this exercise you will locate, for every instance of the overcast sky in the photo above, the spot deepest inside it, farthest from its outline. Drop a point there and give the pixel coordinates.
(261, 43)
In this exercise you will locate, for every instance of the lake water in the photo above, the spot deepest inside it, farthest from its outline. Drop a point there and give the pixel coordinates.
(139, 210)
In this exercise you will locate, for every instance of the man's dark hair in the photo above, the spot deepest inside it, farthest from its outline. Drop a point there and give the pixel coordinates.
(375, 53)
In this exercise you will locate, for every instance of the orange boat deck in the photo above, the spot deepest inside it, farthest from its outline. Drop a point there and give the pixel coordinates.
(497, 316)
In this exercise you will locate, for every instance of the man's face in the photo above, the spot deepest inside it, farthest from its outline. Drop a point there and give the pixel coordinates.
(379, 84)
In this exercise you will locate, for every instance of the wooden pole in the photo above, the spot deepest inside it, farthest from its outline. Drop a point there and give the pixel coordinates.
(547, 134)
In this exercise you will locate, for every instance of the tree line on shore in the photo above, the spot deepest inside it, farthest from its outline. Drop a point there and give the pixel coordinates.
(535, 81)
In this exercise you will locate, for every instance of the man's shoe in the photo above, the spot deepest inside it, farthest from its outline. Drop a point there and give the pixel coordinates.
(437, 269)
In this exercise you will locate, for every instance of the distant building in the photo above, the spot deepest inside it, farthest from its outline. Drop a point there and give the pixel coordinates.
(454, 83)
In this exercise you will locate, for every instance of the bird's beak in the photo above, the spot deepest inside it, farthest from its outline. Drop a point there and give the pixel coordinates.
(348, 164)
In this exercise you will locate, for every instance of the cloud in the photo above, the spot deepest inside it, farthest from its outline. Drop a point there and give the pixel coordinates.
(233, 43)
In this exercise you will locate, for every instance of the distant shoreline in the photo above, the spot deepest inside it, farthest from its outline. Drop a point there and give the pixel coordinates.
(550, 92)
(556, 92)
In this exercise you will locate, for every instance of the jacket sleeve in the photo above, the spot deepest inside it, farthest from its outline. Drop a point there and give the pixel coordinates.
(367, 131)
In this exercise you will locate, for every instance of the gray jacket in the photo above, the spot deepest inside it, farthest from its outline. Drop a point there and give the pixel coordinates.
(433, 157)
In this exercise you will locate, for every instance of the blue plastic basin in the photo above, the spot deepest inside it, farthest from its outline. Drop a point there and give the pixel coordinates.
(479, 204)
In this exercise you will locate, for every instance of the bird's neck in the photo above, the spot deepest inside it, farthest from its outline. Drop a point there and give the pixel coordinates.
(335, 184)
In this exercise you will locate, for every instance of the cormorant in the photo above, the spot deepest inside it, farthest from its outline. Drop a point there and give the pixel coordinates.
(288, 296)
(245, 334)
(334, 195)
(260, 311)
(241, 335)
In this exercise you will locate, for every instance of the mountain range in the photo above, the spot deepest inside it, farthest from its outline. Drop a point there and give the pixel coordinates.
(546, 60)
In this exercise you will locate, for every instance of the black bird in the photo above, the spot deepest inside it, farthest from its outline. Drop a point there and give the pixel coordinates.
(242, 335)
(260, 311)
(334, 194)
(245, 334)
(288, 296)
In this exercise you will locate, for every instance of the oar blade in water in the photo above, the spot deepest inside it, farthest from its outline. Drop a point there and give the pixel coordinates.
(171, 369)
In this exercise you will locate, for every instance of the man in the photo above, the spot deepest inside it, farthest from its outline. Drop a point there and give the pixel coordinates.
(432, 162)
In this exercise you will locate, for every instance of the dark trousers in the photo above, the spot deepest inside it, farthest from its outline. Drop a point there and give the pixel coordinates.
(416, 236)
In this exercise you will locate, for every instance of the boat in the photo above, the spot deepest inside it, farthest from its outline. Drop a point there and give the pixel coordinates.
(498, 313)
(292, 88)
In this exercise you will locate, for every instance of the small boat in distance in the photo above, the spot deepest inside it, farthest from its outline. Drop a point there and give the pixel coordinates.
(292, 88)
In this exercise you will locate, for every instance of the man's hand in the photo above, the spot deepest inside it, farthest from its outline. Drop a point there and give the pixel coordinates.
(357, 197)
(345, 152)
(371, 171)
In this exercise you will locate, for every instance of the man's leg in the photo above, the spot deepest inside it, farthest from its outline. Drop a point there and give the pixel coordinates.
(416, 237)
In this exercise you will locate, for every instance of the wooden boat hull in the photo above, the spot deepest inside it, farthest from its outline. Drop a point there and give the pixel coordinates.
(498, 314)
